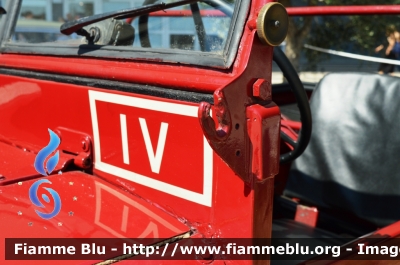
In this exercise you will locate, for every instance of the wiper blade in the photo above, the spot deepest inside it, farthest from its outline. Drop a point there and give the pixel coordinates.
(77, 25)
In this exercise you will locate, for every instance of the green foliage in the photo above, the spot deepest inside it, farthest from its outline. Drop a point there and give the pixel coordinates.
(358, 34)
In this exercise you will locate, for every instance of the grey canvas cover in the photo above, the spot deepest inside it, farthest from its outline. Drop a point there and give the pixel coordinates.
(352, 162)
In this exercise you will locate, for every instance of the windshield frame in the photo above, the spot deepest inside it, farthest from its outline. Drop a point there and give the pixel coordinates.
(222, 60)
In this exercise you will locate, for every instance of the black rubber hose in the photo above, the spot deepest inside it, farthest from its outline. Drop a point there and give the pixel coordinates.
(199, 25)
(302, 102)
(143, 27)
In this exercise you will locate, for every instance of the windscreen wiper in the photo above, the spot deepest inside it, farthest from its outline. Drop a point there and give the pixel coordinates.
(76, 26)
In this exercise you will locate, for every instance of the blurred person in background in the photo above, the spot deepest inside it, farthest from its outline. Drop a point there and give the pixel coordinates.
(391, 52)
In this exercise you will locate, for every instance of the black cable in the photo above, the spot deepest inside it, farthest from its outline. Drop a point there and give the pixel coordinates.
(302, 102)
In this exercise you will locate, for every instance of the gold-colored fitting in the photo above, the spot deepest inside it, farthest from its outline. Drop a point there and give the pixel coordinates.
(272, 24)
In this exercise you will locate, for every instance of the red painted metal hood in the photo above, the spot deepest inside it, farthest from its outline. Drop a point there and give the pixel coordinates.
(90, 208)
(15, 164)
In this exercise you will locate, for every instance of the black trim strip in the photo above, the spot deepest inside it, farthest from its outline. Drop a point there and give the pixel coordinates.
(168, 93)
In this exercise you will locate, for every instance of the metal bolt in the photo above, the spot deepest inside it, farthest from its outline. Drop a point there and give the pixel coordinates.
(262, 90)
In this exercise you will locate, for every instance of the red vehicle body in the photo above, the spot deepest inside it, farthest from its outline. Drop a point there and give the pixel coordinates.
(138, 157)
